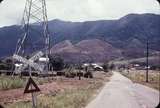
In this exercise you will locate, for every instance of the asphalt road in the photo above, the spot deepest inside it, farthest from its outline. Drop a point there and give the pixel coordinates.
(120, 92)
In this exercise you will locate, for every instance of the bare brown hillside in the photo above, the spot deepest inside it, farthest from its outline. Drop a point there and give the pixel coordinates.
(91, 49)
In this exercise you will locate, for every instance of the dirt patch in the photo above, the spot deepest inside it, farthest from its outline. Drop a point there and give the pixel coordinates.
(14, 95)
(55, 86)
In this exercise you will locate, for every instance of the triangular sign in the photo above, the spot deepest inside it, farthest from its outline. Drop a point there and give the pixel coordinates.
(31, 84)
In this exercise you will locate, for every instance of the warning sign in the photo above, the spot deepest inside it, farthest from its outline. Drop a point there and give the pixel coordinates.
(31, 86)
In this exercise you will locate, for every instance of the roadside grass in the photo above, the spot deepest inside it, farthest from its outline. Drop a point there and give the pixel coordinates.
(77, 98)
(21, 105)
(74, 98)
(9, 82)
(139, 76)
(69, 98)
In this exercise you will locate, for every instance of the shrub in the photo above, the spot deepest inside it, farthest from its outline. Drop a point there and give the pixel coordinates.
(88, 75)
(56, 63)
(105, 67)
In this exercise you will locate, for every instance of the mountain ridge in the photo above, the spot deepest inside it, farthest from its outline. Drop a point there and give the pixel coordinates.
(120, 34)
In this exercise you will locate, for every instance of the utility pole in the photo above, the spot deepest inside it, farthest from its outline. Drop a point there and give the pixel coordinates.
(158, 106)
(147, 54)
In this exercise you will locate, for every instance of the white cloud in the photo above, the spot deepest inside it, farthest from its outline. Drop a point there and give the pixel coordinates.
(79, 10)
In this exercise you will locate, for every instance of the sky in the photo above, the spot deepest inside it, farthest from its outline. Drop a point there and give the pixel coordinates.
(11, 11)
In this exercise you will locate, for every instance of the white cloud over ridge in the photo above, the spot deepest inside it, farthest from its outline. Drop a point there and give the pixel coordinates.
(79, 10)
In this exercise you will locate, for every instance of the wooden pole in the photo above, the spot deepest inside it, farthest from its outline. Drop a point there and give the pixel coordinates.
(147, 54)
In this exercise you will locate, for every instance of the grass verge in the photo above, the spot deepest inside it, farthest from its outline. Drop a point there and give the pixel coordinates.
(8, 82)
(139, 76)
(69, 98)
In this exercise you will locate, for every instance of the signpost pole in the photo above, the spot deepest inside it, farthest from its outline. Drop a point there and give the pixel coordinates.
(33, 95)
(34, 100)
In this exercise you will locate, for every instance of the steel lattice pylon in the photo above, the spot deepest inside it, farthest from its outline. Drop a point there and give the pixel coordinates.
(34, 12)
(34, 23)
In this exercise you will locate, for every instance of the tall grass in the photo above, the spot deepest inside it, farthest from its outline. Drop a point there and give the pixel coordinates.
(70, 98)
(20, 105)
(11, 83)
(139, 76)
(8, 82)
(77, 97)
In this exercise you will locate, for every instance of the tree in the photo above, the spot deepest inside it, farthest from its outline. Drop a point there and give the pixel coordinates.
(1, 61)
(106, 67)
(112, 66)
(8, 61)
(7, 64)
(56, 62)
